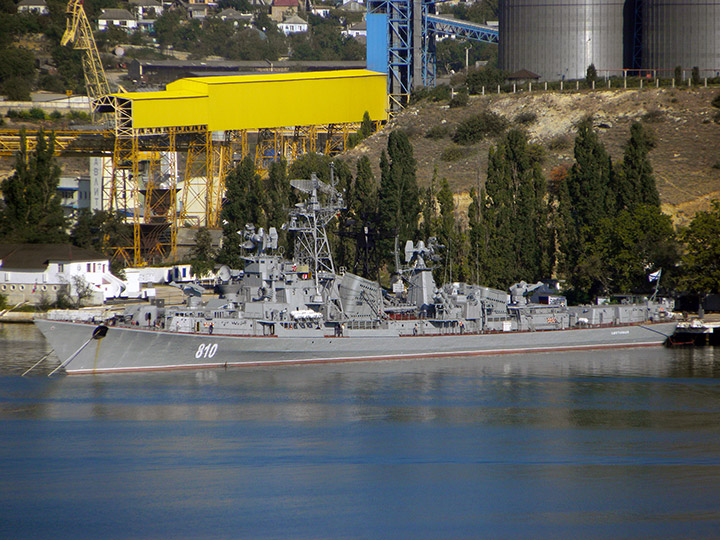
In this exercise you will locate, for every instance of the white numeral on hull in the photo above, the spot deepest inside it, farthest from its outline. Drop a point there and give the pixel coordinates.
(206, 351)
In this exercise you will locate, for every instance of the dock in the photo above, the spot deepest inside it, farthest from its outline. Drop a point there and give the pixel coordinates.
(698, 332)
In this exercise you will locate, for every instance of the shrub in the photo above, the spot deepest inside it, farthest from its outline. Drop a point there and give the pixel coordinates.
(526, 117)
(55, 115)
(477, 127)
(560, 142)
(16, 89)
(454, 153)
(460, 99)
(439, 93)
(438, 132)
(653, 116)
(36, 113)
(489, 77)
(79, 115)
(716, 102)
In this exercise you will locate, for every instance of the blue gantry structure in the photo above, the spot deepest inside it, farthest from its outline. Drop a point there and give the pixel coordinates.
(401, 37)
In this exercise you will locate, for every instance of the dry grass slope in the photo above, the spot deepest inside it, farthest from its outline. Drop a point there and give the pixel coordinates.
(684, 160)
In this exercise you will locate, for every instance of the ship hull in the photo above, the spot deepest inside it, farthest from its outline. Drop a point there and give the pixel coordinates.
(136, 349)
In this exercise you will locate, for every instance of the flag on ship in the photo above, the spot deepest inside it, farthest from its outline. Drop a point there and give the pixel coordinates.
(655, 276)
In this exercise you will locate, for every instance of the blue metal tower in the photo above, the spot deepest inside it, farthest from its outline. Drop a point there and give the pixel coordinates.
(401, 42)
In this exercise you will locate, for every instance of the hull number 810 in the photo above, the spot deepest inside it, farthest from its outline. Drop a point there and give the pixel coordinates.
(206, 350)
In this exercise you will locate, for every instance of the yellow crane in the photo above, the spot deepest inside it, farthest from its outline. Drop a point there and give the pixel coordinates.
(79, 32)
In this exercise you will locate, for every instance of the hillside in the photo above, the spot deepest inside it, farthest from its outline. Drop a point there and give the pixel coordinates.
(683, 121)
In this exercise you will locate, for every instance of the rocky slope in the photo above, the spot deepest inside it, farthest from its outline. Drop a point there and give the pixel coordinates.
(686, 159)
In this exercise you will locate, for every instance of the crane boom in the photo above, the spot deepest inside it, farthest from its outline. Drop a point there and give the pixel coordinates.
(78, 32)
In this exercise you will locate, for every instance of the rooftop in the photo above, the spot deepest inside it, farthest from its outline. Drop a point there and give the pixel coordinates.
(116, 14)
(38, 256)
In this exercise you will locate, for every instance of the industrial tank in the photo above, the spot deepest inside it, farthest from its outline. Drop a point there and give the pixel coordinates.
(559, 39)
(683, 33)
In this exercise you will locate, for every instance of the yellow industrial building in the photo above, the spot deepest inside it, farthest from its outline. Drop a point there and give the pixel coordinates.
(210, 118)
(254, 102)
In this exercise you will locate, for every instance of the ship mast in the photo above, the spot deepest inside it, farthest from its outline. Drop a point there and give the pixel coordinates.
(308, 221)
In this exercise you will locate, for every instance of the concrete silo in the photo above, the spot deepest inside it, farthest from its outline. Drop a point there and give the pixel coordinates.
(683, 33)
(559, 39)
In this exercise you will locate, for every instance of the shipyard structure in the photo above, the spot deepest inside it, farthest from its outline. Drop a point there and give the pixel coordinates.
(559, 39)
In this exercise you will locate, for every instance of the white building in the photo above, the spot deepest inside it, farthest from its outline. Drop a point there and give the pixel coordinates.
(33, 6)
(37, 273)
(74, 194)
(356, 30)
(293, 25)
(147, 9)
(120, 18)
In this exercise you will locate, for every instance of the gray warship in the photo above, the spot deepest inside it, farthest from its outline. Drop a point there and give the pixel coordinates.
(303, 310)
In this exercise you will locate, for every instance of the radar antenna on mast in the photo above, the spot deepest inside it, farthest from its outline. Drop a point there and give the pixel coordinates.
(308, 220)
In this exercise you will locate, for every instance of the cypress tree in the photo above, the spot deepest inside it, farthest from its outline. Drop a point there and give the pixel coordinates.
(364, 219)
(588, 182)
(513, 220)
(475, 234)
(639, 183)
(586, 201)
(365, 191)
(399, 196)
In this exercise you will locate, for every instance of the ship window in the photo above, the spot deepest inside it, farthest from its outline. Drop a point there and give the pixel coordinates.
(61, 267)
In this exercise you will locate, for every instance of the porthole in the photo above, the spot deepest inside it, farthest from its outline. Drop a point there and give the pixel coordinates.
(22, 287)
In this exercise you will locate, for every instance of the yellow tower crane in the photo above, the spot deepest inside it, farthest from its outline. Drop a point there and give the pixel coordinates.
(79, 32)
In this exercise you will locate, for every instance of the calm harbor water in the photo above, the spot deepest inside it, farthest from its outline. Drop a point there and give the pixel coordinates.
(613, 444)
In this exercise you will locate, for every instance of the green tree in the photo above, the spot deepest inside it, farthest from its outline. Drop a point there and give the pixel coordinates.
(399, 196)
(636, 184)
(678, 74)
(102, 231)
(701, 260)
(585, 200)
(69, 66)
(632, 241)
(32, 210)
(591, 75)
(165, 27)
(513, 220)
(450, 235)
(17, 73)
(488, 77)
(362, 224)
(202, 253)
(475, 236)
(244, 204)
